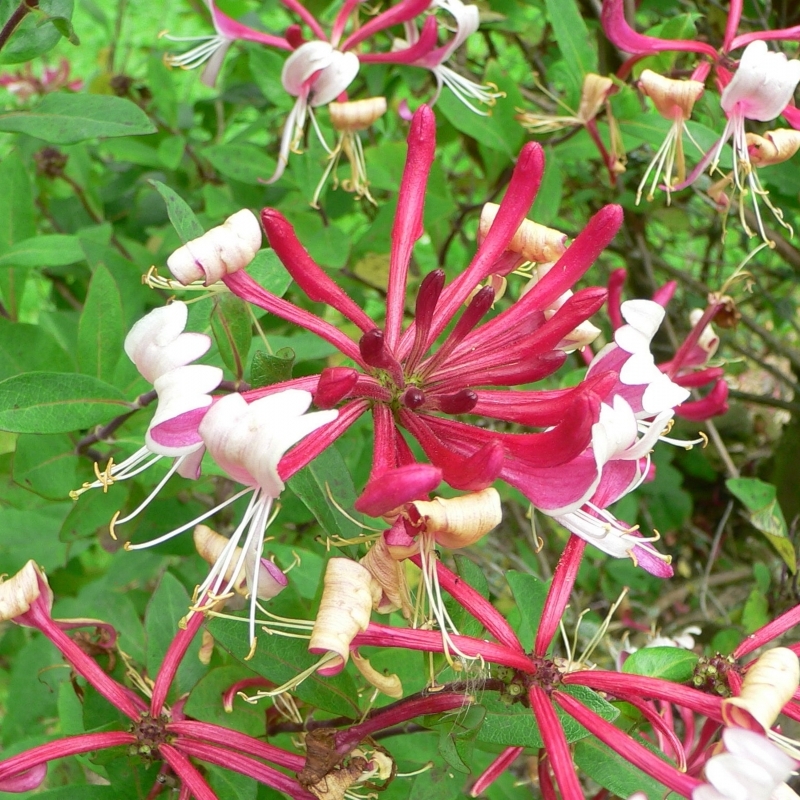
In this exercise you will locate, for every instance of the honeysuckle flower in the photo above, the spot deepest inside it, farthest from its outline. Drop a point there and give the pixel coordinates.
(751, 768)
(24, 84)
(247, 441)
(155, 731)
(467, 20)
(595, 92)
(348, 119)
(674, 100)
(211, 50)
(163, 351)
(219, 251)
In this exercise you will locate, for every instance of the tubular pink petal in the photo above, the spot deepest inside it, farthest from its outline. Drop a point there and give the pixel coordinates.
(732, 24)
(427, 297)
(376, 353)
(401, 12)
(623, 36)
(664, 294)
(335, 383)
(627, 747)
(304, 270)
(768, 632)
(242, 285)
(616, 282)
(305, 452)
(580, 255)
(555, 743)
(18, 765)
(495, 770)
(245, 765)
(431, 642)
(702, 377)
(519, 196)
(558, 596)
(337, 29)
(422, 47)
(713, 404)
(460, 402)
(298, 8)
(477, 605)
(231, 29)
(484, 373)
(25, 781)
(621, 685)
(792, 115)
(396, 487)
(172, 660)
(227, 737)
(187, 772)
(782, 34)
(408, 226)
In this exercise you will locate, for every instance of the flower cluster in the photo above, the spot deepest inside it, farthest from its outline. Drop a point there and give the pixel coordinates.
(761, 88)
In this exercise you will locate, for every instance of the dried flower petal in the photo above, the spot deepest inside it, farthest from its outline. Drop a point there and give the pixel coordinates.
(458, 521)
(18, 593)
(534, 242)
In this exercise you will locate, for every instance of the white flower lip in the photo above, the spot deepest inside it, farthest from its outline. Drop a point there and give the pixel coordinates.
(763, 85)
(157, 343)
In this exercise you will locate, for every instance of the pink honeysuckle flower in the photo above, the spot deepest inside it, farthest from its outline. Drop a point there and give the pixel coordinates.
(320, 70)
(156, 731)
(24, 84)
(162, 352)
(247, 441)
(211, 50)
(467, 19)
(413, 386)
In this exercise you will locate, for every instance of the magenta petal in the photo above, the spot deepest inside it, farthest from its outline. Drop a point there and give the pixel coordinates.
(651, 563)
(335, 383)
(25, 781)
(782, 34)
(427, 41)
(231, 29)
(396, 487)
(401, 12)
(712, 405)
(180, 431)
(623, 36)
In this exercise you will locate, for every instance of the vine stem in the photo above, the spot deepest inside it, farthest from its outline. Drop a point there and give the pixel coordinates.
(15, 19)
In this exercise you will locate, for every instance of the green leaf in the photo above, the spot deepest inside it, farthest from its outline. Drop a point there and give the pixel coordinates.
(26, 348)
(457, 736)
(46, 250)
(574, 42)
(529, 593)
(37, 33)
(615, 773)
(480, 128)
(268, 369)
(46, 465)
(71, 118)
(232, 326)
(279, 659)
(327, 475)
(100, 332)
(180, 215)
(205, 701)
(229, 785)
(168, 605)
(243, 162)
(514, 724)
(755, 613)
(668, 663)
(57, 402)
(17, 220)
(761, 501)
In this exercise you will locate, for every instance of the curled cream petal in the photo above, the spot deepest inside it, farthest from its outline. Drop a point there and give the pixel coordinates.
(388, 684)
(348, 596)
(19, 592)
(768, 685)
(458, 521)
(389, 574)
(673, 99)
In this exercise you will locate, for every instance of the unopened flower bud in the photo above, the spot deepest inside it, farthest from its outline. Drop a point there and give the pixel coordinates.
(394, 488)
(774, 147)
(356, 115)
(673, 99)
(594, 93)
(219, 252)
(348, 596)
(534, 242)
(768, 685)
(21, 591)
(335, 383)
(458, 521)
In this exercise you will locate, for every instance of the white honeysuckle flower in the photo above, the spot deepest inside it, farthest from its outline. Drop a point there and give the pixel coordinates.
(751, 768)
(162, 352)
(616, 434)
(763, 84)
(157, 343)
(221, 251)
(316, 74)
(760, 89)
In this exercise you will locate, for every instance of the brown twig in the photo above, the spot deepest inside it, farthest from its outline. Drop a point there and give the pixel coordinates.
(13, 22)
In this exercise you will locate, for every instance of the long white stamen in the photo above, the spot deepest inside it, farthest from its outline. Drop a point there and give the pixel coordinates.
(159, 486)
(187, 526)
(197, 55)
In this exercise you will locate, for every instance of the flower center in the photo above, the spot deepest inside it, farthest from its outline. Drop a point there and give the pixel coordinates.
(711, 674)
(150, 733)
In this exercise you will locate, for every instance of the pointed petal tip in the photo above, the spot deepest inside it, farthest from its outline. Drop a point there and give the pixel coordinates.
(396, 487)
